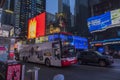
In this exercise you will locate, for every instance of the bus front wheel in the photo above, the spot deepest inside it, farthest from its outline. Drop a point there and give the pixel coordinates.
(47, 62)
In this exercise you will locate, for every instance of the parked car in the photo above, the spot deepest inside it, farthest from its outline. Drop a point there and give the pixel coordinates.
(95, 57)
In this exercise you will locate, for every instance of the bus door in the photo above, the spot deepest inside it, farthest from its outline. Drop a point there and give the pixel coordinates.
(56, 54)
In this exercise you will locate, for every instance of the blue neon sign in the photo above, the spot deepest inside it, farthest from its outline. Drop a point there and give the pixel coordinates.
(80, 42)
(99, 22)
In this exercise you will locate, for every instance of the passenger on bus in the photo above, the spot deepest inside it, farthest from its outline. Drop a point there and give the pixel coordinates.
(57, 53)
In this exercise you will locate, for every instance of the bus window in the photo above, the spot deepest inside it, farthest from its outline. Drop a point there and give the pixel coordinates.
(68, 52)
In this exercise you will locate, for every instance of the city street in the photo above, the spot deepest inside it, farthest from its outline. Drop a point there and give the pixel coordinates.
(78, 72)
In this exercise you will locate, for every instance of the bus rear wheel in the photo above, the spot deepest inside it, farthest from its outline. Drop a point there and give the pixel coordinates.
(47, 62)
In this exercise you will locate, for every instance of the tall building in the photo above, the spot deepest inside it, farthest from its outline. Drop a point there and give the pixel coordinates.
(17, 17)
(7, 11)
(106, 35)
(7, 14)
(64, 7)
(1, 3)
(29, 9)
(105, 5)
(82, 12)
(6, 20)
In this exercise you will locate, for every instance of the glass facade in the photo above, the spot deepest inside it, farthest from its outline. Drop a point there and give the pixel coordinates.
(7, 17)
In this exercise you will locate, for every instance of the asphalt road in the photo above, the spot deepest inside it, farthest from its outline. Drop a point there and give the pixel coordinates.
(77, 72)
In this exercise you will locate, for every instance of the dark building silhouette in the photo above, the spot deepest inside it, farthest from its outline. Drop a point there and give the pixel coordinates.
(64, 7)
(2, 3)
(7, 15)
(82, 12)
(105, 5)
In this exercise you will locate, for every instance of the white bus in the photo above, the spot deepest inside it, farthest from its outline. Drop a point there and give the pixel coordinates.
(53, 53)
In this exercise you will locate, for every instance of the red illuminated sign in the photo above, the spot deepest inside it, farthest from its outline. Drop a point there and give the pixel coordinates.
(40, 30)
(36, 26)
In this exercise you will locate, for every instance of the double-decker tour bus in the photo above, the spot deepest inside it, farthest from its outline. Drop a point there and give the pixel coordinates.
(51, 50)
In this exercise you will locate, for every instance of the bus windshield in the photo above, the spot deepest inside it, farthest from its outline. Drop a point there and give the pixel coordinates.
(68, 51)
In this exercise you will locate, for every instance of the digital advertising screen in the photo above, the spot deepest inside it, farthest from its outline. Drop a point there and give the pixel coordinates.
(94, 23)
(32, 23)
(36, 26)
(40, 27)
(115, 16)
(99, 22)
(80, 42)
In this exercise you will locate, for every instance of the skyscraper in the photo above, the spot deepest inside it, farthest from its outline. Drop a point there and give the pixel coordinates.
(64, 7)
(82, 12)
(29, 9)
(7, 7)
(108, 37)
(1, 3)
(105, 5)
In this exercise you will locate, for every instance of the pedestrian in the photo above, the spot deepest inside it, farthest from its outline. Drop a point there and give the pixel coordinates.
(57, 53)
(36, 50)
(32, 51)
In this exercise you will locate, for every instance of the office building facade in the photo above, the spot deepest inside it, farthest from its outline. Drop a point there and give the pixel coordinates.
(82, 12)
(7, 7)
(104, 6)
(6, 21)
(108, 38)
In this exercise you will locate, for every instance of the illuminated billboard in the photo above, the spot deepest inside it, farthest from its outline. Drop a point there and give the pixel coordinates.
(32, 28)
(115, 16)
(40, 28)
(99, 22)
(80, 42)
(36, 26)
